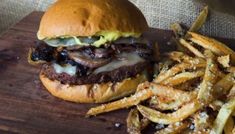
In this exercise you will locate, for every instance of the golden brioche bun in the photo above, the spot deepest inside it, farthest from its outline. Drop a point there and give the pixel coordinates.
(67, 18)
(96, 93)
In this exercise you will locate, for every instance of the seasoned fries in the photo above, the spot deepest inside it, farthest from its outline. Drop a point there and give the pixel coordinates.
(224, 61)
(193, 90)
(210, 77)
(215, 46)
(228, 128)
(178, 68)
(179, 115)
(183, 77)
(174, 128)
(133, 122)
(135, 99)
(201, 19)
(223, 115)
(178, 30)
(191, 48)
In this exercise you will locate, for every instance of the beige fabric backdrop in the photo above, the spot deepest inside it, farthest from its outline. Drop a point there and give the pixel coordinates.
(159, 13)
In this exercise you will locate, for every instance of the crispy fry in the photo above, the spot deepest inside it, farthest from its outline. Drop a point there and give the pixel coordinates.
(205, 92)
(231, 69)
(182, 77)
(133, 122)
(187, 86)
(168, 98)
(135, 99)
(202, 122)
(223, 86)
(162, 104)
(144, 123)
(177, 56)
(223, 116)
(233, 132)
(232, 92)
(191, 48)
(216, 105)
(179, 47)
(178, 30)
(224, 61)
(178, 68)
(171, 93)
(174, 128)
(164, 66)
(201, 19)
(213, 45)
(179, 115)
(182, 57)
(228, 128)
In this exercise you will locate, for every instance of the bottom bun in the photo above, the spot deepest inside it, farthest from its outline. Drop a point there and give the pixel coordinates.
(93, 93)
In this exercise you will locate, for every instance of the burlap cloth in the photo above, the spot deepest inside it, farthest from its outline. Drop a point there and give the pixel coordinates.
(159, 14)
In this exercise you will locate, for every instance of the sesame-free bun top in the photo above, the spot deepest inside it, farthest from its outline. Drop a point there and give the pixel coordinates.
(67, 18)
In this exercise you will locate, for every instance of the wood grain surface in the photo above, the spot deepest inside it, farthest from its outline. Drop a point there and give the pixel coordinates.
(26, 107)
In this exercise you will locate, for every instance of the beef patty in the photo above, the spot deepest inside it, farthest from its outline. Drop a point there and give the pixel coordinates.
(116, 75)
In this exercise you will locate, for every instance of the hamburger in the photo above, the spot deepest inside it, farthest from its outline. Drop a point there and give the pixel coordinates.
(92, 51)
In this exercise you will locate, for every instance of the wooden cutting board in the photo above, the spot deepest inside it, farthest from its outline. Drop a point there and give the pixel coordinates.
(25, 105)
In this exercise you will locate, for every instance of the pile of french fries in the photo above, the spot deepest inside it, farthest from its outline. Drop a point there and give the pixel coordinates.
(193, 91)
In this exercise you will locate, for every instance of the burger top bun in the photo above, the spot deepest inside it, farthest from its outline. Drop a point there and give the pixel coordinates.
(67, 18)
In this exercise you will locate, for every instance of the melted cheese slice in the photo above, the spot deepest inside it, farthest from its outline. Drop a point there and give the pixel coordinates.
(69, 69)
(124, 59)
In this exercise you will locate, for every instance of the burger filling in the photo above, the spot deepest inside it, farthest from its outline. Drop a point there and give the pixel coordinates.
(70, 63)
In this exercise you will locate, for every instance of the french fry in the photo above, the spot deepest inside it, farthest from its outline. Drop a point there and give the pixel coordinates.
(206, 87)
(216, 105)
(178, 30)
(223, 86)
(144, 123)
(224, 61)
(201, 19)
(178, 68)
(133, 122)
(182, 77)
(233, 132)
(228, 128)
(164, 66)
(163, 118)
(182, 57)
(179, 47)
(187, 86)
(171, 93)
(174, 128)
(168, 98)
(231, 69)
(222, 117)
(215, 46)
(231, 93)
(191, 48)
(202, 122)
(178, 56)
(163, 104)
(135, 99)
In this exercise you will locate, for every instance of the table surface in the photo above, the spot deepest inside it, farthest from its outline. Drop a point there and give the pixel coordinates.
(25, 105)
